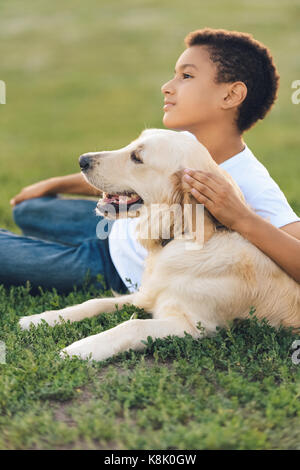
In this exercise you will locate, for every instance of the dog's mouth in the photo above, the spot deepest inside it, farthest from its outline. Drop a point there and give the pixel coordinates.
(120, 202)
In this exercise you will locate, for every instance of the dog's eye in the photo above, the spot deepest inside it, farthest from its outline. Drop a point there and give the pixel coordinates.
(135, 158)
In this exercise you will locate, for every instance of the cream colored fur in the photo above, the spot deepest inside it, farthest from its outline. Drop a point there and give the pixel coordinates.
(182, 288)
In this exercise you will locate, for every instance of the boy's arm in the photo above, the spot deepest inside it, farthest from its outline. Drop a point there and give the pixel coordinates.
(292, 229)
(218, 196)
(71, 184)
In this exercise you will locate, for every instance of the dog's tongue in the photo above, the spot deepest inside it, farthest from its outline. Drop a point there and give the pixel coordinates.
(120, 199)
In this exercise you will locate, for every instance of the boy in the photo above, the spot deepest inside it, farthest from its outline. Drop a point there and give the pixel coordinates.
(224, 82)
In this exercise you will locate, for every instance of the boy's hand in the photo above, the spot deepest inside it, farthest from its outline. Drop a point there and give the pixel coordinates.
(42, 188)
(69, 184)
(219, 198)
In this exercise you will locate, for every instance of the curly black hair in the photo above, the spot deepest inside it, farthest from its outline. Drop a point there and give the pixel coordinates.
(240, 57)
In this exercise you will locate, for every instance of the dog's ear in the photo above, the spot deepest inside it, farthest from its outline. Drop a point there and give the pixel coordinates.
(179, 193)
(180, 216)
(196, 217)
(157, 222)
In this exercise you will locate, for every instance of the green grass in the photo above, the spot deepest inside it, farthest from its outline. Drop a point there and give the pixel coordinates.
(238, 390)
(88, 78)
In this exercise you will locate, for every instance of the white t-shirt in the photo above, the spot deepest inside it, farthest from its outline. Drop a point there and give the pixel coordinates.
(260, 191)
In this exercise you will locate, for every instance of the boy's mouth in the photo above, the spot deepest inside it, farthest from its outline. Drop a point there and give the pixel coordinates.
(121, 202)
(168, 105)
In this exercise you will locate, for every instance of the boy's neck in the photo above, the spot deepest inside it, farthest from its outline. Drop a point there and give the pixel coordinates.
(222, 144)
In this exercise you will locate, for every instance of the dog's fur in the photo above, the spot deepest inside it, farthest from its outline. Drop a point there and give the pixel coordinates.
(182, 288)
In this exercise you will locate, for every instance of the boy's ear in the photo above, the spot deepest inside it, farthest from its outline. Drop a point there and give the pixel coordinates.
(236, 94)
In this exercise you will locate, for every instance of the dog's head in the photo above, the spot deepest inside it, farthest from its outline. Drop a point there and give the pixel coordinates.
(146, 174)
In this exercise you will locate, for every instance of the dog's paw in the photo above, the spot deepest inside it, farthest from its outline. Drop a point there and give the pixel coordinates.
(51, 317)
(91, 348)
(71, 351)
(25, 322)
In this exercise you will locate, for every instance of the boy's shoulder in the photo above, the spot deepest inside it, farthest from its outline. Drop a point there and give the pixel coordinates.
(248, 172)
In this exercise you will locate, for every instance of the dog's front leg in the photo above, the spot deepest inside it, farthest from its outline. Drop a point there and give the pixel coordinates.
(87, 309)
(127, 335)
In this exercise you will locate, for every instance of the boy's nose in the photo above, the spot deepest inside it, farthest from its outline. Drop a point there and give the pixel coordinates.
(166, 88)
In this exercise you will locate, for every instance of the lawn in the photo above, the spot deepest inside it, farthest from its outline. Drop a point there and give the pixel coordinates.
(86, 78)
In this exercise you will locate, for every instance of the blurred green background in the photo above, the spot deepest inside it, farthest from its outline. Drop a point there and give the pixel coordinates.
(86, 76)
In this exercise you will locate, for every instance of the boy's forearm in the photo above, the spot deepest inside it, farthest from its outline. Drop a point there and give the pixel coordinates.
(72, 184)
(275, 243)
(222, 201)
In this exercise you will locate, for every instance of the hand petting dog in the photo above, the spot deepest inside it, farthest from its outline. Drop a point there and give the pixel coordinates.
(218, 196)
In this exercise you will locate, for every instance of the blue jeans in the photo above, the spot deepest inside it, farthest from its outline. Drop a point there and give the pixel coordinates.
(59, 247)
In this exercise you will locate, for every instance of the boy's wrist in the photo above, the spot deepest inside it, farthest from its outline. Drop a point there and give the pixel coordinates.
(57, 184)
(245, 224)
(70, 184)
(51, 185)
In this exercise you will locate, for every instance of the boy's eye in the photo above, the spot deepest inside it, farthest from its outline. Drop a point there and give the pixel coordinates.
(185, 75)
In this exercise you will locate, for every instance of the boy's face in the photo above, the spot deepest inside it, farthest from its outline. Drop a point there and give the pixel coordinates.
(196, 98)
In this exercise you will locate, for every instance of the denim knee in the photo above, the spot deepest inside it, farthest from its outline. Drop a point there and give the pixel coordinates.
(28, 209)
(20, 211)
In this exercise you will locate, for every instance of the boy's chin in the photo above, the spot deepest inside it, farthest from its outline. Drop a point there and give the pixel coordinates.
(170, 123)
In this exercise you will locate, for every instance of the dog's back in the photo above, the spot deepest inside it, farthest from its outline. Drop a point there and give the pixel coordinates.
(220, 282)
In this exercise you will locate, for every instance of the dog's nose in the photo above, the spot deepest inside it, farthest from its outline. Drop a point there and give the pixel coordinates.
(85, 162)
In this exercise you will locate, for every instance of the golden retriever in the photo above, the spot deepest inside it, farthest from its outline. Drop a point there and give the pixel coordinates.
(197, 275)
